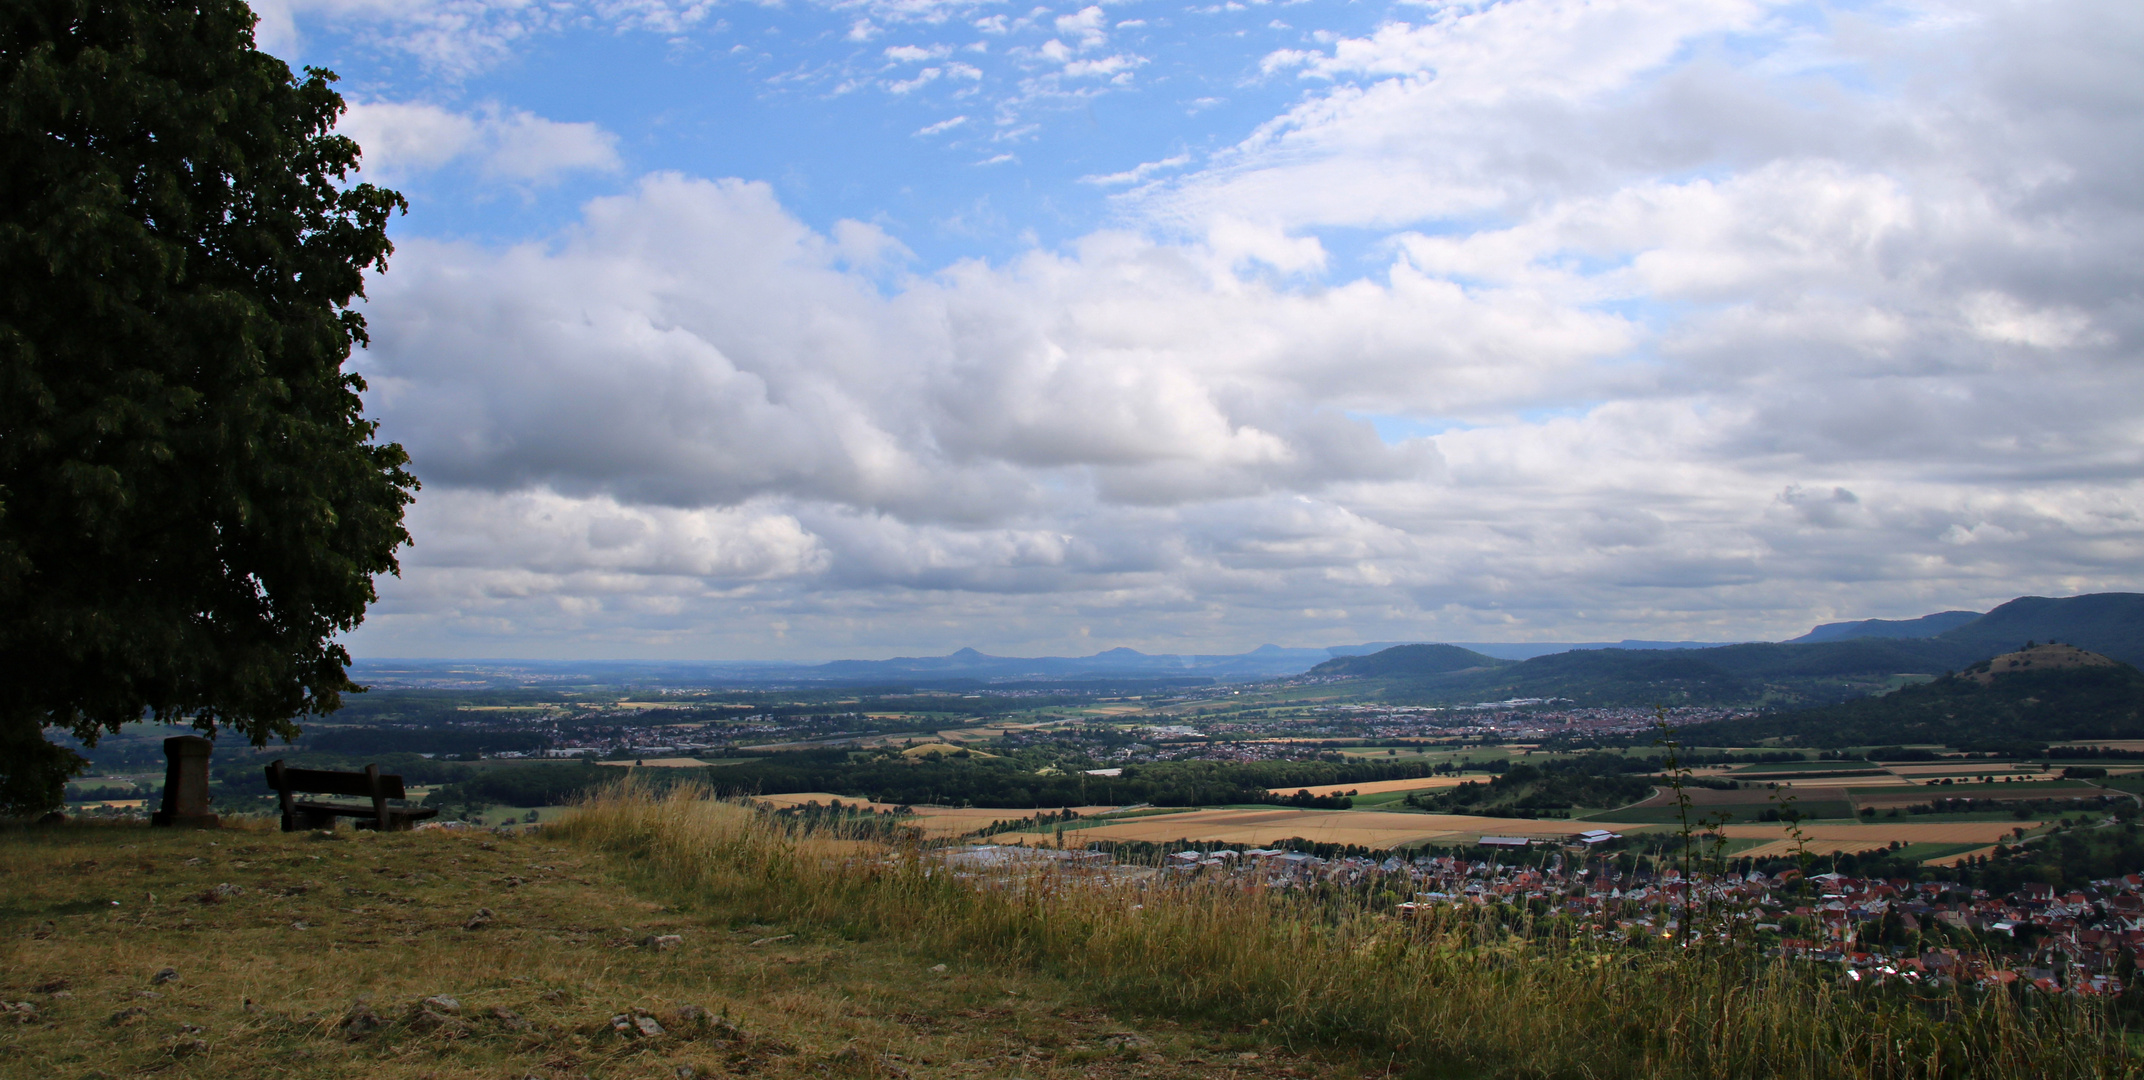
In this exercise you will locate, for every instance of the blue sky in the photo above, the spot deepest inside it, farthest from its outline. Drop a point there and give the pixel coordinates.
(878, 327)
(957, 131)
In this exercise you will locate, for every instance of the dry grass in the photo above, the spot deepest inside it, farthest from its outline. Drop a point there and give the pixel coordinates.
(1460, 993)
(384, 920)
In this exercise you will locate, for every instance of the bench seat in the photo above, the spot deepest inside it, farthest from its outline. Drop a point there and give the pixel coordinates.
(320, 813)
(370, 785)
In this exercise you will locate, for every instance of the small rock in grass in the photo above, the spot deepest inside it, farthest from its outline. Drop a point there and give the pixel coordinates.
(361, 1020)
(132, 1014)
(480, 920)
(164, 976)
(1126, 1040)
(424, 1021)
(510, 1020)
(221, 893)
(661, 942)
(647, 1026)
(685, 1072)
(22, 1012)
(441, 1003)
(938, 968)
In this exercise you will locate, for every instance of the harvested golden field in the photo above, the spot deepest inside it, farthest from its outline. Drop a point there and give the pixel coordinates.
(1967, 768)
(822, 798)
(941, 749)
(1369, 828)
(1877, 834)
(1922, 793)
(1868, 779)
(2112, 744)
(1375, 787)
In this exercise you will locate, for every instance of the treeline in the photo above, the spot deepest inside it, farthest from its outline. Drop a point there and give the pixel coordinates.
(2070, 858)
(979, 781)
(1533, 789)
(440, 741)
(2014, 713)
(523, 785)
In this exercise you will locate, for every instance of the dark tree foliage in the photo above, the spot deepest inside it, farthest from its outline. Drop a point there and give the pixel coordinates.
(2018, 712)
(192, 504)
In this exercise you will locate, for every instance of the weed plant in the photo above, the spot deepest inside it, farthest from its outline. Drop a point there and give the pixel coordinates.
(1457, 991)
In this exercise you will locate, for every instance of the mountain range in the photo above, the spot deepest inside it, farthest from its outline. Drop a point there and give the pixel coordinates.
(1843, 661)
(2109, 623)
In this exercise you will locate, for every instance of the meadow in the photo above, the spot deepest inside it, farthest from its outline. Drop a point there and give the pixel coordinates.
(1487, 992)
(758, 949)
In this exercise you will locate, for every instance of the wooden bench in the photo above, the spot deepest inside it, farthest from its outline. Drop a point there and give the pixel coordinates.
(316, 814)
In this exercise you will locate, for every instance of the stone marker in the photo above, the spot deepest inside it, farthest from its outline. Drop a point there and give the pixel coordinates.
(186, 784)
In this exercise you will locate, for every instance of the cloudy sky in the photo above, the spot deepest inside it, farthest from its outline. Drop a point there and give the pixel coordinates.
(873, 327)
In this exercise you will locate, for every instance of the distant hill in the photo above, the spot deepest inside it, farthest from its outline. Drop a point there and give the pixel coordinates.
(1407, 661)
(2049, 693)
(2111, 624)
(1817, 673)
(1927, 626)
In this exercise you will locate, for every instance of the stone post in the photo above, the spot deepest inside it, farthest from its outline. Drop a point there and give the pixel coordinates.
(186, 784)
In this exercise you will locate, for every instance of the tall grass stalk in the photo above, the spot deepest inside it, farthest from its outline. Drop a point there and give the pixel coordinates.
(1456, 992)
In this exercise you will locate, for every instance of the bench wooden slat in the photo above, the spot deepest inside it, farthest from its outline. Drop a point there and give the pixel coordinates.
(323, 782)
(370, 784)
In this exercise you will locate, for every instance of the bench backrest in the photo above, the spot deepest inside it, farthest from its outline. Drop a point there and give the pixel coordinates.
(326, 782)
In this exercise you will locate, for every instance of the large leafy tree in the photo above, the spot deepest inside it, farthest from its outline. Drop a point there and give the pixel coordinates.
(192, 502)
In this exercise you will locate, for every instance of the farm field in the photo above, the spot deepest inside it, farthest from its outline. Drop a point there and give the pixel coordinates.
(1963, 768)
(936, 822)
(1789, 768)
(1379, 787)
(2019, 792)
(1825, 839)
(658, 763)
(1368, 828)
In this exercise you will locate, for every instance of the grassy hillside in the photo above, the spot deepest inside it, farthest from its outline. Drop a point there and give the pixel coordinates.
(267, 979)
(1997, 703)
(687, 937)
